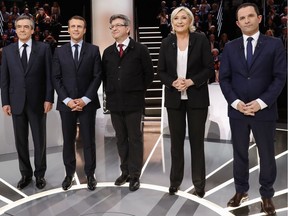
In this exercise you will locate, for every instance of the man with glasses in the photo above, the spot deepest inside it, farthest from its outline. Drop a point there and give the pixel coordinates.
(127, 73)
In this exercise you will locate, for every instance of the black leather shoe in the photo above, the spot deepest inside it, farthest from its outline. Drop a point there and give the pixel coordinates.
(40, 182)
(237, 199)
(91, 183)
(173, 190)
(122, 179)
(67, 183)
(268, 206)
(200, 193)
(24, 181)
(134, 184)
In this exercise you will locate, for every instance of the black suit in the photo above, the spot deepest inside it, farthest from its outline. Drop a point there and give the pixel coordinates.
(199, 70)
(76, 82)
(125, 81)
(26, 92)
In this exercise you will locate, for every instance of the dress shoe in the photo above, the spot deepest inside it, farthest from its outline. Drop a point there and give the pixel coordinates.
(40, 182)
(268, 206)
(91, 183)
(24, 181)
(173, 190)
(199, 193)
(134, 184)
(122, 179)
(67, 183)
(237, 199)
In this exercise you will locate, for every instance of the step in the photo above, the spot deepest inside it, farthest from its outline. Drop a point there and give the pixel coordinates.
(151, 42)
(151, 37)
(152, 27)
(154, 32)
(152, 118)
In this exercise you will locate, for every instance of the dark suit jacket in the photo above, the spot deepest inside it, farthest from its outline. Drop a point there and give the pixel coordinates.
(33, 85)
(200, 68)
(73, 82)
(264, 79)
(126, 79)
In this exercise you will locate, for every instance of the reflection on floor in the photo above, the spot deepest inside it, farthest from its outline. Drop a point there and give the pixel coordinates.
(152, 198)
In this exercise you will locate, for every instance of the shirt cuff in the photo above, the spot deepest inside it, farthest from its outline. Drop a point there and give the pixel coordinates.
(86, 100)
(234, 104)
(66, 100)
(261, 103)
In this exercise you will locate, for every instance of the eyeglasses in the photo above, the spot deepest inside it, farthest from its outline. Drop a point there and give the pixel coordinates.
(116, 26)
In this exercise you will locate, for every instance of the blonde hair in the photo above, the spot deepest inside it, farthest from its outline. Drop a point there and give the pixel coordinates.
(188, 12)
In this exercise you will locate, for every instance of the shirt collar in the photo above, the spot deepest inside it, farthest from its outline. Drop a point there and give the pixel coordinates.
(125, 42)
(79, 43)
(255, 36)
(29, 43)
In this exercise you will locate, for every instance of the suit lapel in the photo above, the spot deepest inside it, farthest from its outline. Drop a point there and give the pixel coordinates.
(32, 56)
(258, 49)
(191, 44)
(17, 55)
(68, 50)
(242, 58)
(82, 53)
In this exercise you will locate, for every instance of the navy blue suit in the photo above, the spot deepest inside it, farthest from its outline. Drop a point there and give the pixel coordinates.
(76, 82)
(264, 80)
(26, 92)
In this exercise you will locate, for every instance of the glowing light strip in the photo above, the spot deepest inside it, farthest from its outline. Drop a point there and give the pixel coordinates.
(13, 188)
(150, 155)
(214, 207)
(4, 199)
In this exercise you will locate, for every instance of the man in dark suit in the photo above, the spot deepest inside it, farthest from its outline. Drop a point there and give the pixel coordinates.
(76, 78)
(251, 78)
(27, 94)
(128, 71)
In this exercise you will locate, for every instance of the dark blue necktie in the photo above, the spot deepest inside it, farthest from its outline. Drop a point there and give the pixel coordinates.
(24, 59)
(76, 55)
(249, 51)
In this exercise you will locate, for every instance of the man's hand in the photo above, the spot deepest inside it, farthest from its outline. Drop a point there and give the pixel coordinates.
(76, 104)
(248, 109)
(252, 107)
(47, 106)
(7, 110)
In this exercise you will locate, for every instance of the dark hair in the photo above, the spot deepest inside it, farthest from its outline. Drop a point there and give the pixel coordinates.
(78, 18)
(248, 4)
(24, 17)
(120, 16)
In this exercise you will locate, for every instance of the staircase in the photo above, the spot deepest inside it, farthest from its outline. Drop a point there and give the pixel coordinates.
(64, 36)
(151, 37)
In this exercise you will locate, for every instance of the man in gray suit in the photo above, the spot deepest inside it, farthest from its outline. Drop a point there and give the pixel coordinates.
(27, 94)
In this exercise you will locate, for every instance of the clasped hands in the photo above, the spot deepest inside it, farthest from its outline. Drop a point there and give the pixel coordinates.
(250, 108)
(182, 84)
(76, 104)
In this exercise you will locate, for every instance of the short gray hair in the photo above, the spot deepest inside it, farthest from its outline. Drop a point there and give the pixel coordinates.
(120, 16)
(24, 17)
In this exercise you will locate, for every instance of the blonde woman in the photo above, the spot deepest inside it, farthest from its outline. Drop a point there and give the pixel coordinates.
(184, 67)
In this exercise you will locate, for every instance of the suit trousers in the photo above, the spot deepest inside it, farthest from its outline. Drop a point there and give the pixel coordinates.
(87, 121)
(196, 130)
(127, 125)
(37, 123)
(264, 133)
